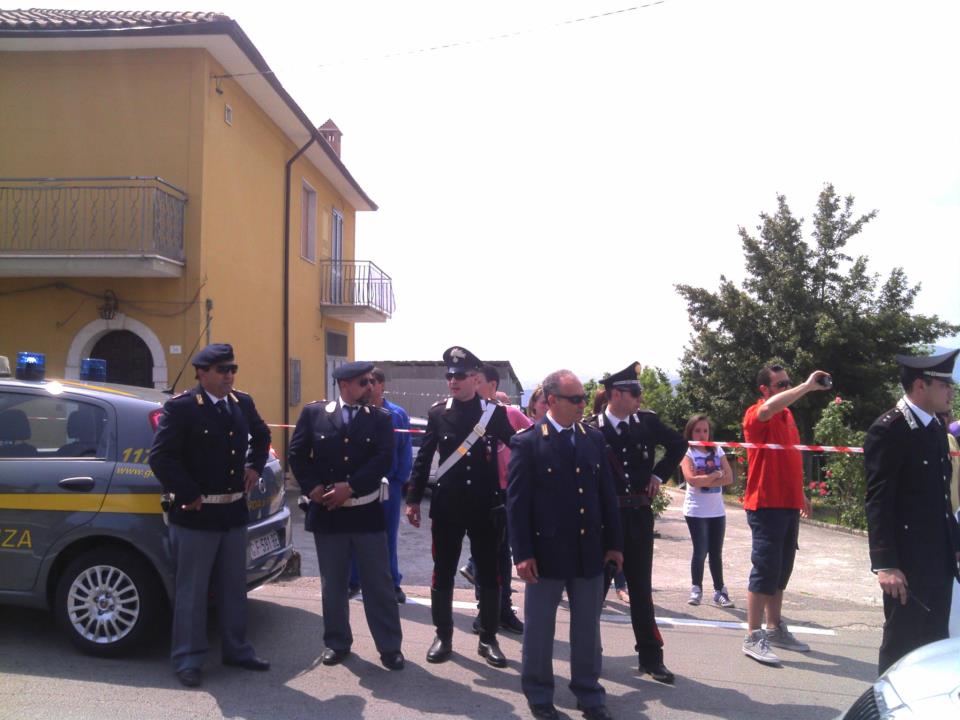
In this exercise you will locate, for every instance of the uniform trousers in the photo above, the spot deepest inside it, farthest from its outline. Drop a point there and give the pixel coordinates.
(540, 617)
(201, 556)
(334, 551)
(391, 514)
(638, 569)
(447, 538)
(907, 627)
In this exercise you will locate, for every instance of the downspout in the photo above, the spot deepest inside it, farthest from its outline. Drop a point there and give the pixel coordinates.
(286, 292)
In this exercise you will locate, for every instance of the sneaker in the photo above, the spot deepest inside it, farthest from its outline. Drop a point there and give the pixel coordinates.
(722, 598)
(783, 638)
(755, 645)
(696, 594)
(467, 572)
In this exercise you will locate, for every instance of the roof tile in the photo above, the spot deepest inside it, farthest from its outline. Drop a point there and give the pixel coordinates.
(41, 19)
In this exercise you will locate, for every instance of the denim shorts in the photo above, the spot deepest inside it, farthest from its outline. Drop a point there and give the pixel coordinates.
(775, 532)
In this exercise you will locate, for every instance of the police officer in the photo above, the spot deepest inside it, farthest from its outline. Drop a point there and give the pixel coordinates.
(466, 500)
(340, 453)
(564, 528)
(913, 536)
(199, 455)
(633, 435)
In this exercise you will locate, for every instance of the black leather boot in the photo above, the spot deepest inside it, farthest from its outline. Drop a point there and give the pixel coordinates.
(441, 610)
(489, 622)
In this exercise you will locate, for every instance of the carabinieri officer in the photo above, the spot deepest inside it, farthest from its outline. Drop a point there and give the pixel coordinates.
(467, 499)
(634, 434)
(340, 453)
(199, 455)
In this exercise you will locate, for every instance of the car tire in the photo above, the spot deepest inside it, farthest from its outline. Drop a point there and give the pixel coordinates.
(108, 601)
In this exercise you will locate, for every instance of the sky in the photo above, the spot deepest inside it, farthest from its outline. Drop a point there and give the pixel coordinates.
(541, 193)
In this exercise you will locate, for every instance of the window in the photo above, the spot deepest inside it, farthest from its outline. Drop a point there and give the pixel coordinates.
(308, 223)
(35, 426)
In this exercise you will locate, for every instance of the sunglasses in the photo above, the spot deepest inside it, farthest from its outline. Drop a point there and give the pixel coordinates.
(226, 369)
(458, 375)
(783, 384)
(363, 382)
(573, 399)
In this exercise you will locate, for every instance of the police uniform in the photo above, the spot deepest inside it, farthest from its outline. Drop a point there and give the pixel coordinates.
(328, 447)
(632, 455)
(909, 519)
(201, 449)
(562, 512)
(466, 500)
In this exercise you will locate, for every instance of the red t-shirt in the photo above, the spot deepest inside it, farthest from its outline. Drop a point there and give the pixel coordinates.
(774, 477)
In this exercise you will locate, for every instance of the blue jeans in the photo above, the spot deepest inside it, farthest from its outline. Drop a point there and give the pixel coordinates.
(707, 536)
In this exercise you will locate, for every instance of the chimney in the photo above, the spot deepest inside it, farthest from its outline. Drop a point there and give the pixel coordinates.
(331, 133)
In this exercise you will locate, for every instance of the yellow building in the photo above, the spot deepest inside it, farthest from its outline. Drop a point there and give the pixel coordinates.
(159, 189)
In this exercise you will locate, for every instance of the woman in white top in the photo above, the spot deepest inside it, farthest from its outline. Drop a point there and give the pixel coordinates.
(706, 471)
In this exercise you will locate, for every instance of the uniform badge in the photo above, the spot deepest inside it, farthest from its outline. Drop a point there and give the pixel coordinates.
(331, 406)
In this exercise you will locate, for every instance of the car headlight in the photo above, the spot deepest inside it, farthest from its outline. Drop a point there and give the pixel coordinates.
(276, 502)
(889, 704)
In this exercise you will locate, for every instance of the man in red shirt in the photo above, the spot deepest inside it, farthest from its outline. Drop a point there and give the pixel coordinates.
(774, 501)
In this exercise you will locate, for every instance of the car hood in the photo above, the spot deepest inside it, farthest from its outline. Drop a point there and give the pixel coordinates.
(929, 673)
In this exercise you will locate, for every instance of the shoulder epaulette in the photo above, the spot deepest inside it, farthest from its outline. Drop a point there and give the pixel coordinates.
(449, 403)
(331, 406)
(523, 430)
(382, 409)
(648, 411)
(180, 395)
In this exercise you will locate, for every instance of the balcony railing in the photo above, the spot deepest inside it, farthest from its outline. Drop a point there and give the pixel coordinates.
(358, 291)
(131, 226)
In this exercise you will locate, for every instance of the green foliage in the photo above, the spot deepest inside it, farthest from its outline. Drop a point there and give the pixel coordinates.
(809, 306)
(843, 482)
(660, 502)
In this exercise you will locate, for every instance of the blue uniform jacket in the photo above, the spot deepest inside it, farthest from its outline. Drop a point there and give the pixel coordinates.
(565, 516)
(402, 445)
(324, 452)
(197, 451)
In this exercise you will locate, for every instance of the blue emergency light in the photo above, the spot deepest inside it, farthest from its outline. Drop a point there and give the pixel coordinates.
(93, 369)
(31, 366)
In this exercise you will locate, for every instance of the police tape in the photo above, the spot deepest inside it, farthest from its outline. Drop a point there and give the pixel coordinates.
(710, 443)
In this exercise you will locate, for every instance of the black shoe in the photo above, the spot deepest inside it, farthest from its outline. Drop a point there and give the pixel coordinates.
(492, 652)
(334, 657)
(253, 663)
(440, 651)
(190, 677)
(476, 625)
(353, 591)
(466, 572)
(544, 711)
(392, 660)
(510, 622)
(658, 671)
(597, 712)
(401, 595)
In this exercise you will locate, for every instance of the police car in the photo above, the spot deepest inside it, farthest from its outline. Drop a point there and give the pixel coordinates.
(81, 525)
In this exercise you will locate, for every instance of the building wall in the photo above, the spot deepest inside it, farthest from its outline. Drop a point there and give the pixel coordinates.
(157, 113)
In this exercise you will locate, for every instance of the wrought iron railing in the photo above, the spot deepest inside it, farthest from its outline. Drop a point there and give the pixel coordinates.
(108, 216)
(357, 283)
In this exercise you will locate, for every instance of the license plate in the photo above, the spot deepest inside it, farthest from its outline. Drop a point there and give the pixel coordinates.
(264, 544)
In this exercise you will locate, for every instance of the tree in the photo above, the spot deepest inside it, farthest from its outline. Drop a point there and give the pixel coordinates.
(809, 306)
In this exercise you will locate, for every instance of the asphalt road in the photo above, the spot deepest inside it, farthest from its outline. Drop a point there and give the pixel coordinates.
(832, 603)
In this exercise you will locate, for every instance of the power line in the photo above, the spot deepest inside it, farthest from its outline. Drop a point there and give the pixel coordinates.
(465, 43)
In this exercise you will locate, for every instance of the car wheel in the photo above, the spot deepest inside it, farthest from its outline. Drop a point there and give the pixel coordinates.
(107, 601)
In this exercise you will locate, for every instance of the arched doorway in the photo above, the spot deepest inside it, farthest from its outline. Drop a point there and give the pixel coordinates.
(129, 360)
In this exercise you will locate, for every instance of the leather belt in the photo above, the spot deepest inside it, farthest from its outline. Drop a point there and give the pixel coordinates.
(363, 499)
(224, 499)
(633, 501)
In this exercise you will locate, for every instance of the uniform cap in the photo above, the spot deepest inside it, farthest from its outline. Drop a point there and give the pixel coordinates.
(213, 354)
(352, 369)
(626, 378)
(459, 359)
(934, 366)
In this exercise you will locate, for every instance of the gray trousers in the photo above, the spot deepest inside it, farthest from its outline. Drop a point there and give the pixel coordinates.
(202, 556)
(539, 617)
(334, 551)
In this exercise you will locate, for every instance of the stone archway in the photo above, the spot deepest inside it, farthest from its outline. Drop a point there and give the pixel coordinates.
(89, 334)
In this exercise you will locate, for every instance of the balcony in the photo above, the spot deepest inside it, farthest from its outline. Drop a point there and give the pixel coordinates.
(91, 227)
(355, 291)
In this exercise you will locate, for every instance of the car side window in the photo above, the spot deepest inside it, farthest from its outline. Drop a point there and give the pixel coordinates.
(39, 426)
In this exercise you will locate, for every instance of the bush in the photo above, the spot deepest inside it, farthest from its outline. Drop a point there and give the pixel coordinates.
(842, 483)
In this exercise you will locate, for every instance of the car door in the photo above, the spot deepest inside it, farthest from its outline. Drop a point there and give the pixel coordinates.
(57, 456)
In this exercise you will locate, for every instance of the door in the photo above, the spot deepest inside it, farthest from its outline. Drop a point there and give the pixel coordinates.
(56, 461)
(129, 360)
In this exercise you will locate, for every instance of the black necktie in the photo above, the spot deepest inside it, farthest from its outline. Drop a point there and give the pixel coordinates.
(221, 407)
(622, 427)
(351, 409)
(566, 443)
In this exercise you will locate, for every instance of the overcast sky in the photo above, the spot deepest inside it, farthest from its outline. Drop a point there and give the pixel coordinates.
(541, 194)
